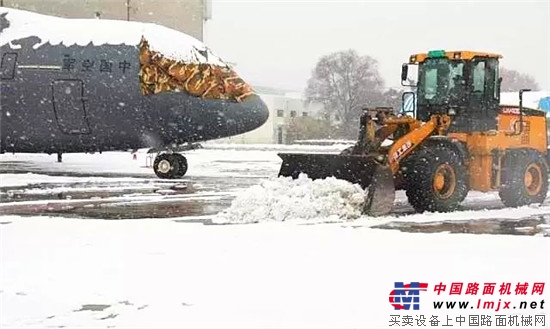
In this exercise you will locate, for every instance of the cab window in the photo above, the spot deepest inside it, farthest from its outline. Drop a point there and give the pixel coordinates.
(479, 77)
(492, 78)
(430, 83)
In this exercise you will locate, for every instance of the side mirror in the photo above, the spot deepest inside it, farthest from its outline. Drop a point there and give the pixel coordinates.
(404, 72)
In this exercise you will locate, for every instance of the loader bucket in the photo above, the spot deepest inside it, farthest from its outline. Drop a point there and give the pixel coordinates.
(375, 178)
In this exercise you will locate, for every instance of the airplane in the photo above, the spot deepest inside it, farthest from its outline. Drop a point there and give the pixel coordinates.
(92, 85)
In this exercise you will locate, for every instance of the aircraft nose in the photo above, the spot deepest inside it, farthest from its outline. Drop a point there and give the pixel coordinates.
(193, 119)
(247, 115)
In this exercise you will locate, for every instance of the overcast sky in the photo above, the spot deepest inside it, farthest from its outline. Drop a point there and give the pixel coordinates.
(277, 43)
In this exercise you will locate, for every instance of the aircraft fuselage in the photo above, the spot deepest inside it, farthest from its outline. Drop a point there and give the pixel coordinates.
(87, 98)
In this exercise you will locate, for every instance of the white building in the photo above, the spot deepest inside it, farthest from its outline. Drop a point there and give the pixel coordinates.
(282, 106)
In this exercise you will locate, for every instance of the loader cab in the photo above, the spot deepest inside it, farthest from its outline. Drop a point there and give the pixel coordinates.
(463, 84)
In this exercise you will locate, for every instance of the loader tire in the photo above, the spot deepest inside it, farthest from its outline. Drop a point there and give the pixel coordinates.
(436, 180)
(524, 178)
(463, 193)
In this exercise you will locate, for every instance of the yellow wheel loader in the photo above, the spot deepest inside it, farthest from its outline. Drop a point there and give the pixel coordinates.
(458, 138)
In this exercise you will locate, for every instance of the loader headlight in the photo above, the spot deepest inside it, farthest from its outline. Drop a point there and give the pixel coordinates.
(451, 111)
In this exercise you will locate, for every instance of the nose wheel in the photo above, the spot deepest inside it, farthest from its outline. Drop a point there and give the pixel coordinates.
(170, 165)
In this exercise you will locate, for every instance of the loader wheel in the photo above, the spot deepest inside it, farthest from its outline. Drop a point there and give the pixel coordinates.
(525, 179)
(436, 180)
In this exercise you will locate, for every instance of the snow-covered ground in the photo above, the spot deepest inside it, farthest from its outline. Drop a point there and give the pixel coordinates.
(304, 258)
(163, 274)
(245, 172)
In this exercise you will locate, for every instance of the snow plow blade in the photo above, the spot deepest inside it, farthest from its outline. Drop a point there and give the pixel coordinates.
(375, 178)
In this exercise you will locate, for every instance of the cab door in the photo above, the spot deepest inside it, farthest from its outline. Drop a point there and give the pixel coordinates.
(69, 105)
(484, 94)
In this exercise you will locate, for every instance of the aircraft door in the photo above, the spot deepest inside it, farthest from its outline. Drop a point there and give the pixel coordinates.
(7, 71)
(69, 106)
(8, 63)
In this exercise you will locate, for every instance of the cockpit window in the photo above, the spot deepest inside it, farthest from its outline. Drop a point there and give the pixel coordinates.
(160, 74)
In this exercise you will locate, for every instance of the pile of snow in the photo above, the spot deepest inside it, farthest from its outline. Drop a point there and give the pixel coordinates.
(282, 199)
(70, 31)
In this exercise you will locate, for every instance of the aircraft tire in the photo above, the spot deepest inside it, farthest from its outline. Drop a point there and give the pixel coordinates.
(166, 166)
(182, 162)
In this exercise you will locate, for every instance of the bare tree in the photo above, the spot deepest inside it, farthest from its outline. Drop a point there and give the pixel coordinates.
(392, 98)
(513, 80)
(344, 83)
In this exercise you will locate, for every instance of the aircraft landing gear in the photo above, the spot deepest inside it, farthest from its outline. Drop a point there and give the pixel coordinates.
(170, 165)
